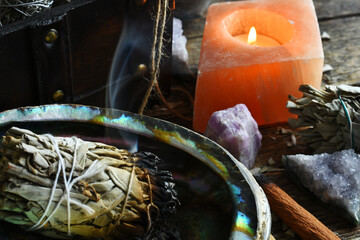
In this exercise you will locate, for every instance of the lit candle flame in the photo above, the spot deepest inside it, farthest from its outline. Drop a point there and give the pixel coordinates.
(252, 36)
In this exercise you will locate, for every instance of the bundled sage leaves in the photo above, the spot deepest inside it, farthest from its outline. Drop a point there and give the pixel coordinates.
(65, 186)
(331, 117)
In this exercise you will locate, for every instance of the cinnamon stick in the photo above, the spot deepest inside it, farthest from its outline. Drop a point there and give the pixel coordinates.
(295, 216)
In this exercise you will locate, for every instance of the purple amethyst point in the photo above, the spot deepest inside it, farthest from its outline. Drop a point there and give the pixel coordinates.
(236, 130)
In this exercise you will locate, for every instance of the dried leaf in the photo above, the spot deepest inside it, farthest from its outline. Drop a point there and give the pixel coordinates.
(326, 113)
(327, 68)
(325, 36)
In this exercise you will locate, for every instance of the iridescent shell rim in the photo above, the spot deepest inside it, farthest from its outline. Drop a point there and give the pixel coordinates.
(204, 149)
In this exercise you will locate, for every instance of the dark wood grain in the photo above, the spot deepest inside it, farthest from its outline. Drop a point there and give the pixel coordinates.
(326, 9)
(275, 144)
(342, 50)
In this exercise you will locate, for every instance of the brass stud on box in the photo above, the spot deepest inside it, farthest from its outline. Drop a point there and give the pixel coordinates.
(51, 36)
(58, 95)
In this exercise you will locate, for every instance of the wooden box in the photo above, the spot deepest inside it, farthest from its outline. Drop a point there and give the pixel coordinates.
(64, 54)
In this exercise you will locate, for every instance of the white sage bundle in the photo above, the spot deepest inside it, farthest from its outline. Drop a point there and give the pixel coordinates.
(331, 117)
(63, 186)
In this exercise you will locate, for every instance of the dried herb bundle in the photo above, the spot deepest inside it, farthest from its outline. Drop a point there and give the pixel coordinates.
(61, 186)
(331, 116)
(14, 10)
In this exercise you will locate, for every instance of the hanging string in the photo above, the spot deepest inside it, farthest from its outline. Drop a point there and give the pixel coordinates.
(155, 58)
(156, 50)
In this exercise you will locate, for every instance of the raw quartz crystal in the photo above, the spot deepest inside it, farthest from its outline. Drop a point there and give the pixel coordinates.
(113, 194)
(333, 178)
(236, 131)
(179, 41)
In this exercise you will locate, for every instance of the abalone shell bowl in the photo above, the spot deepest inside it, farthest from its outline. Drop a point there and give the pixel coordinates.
(219, 197)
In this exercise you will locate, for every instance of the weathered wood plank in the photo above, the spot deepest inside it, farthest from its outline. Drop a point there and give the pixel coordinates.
(326, 9)
(193, 28)
(275, 144)
(194, 47)
(342, 51)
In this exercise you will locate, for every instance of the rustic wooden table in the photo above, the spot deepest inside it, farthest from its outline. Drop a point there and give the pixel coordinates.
(341, 20)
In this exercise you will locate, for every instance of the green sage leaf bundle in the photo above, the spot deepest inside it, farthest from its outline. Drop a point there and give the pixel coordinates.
(331, 117)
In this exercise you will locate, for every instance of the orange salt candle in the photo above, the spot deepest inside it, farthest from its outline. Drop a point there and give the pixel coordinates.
(260, 75)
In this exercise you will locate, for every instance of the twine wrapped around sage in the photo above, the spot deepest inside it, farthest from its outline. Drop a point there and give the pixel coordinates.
(63, 186)
(331, 117)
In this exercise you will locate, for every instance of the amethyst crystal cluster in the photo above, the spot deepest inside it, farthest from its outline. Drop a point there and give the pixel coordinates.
(333, 178)
(236, 130)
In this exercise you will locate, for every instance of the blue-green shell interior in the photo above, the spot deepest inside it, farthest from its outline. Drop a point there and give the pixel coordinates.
(216, 201)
